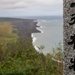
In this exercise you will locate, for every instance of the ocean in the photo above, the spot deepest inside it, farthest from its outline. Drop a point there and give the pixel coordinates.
(51, 35)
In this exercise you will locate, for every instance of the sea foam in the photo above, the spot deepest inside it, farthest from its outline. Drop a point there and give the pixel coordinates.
(34, 38)
(33, 41)
(39, 28)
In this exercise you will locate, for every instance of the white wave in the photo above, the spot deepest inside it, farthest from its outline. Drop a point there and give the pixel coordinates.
(32, 35)
(37, 49)
(38, 24)
(39, 29)
(33, 38)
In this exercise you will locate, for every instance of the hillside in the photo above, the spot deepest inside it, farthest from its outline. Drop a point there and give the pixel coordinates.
(17, 54)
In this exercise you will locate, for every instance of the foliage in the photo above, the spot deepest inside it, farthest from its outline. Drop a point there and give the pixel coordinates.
(57, 55)
(58, 52)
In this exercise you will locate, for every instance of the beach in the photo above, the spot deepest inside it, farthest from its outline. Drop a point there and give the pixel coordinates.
(34, 38)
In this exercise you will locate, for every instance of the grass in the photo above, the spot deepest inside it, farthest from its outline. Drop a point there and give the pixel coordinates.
(6, 37)
(6, 32)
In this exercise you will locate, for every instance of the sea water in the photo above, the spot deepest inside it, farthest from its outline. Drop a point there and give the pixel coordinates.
(51, 35)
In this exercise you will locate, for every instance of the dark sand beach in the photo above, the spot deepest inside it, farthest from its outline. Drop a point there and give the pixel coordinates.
(25, 28)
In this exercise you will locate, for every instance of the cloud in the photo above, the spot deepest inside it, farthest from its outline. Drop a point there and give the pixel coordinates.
(6, 4)
(16, 4)
(31, 7)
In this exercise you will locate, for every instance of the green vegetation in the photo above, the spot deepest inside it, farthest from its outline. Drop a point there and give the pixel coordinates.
(58, 52)
(18, 57)
(58, 56)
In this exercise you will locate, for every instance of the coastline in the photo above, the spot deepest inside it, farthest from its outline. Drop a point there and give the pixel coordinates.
(38, 27)
(34, 38)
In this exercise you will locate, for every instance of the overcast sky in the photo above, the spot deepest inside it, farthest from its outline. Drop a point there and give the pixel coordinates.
(31, 7)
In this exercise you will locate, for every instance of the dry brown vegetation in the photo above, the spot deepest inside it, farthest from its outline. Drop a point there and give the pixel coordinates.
(6, 34)
(6, 37)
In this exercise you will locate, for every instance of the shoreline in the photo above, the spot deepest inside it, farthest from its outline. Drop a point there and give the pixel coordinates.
(38, 27)
(34, 38)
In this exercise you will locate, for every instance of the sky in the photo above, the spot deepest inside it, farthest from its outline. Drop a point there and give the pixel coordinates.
(13, 8)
